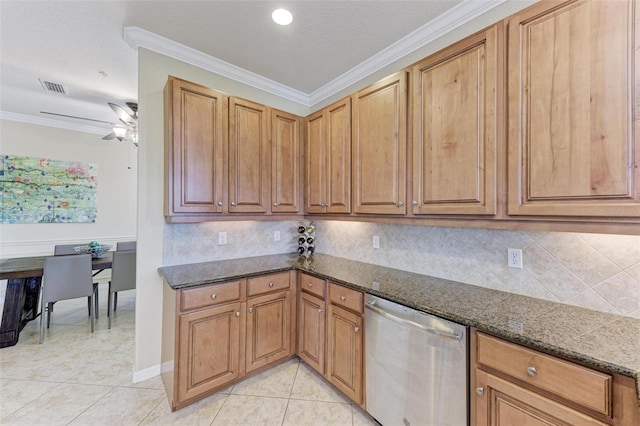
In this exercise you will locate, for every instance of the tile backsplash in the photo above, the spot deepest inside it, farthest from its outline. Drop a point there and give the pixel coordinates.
(594, 271)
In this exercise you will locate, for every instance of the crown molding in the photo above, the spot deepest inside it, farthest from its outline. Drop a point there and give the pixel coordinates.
(59, 124)
(136, 37)
(462, 13)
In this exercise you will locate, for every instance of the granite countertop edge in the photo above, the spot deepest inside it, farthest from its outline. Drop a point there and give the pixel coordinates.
(484, 310)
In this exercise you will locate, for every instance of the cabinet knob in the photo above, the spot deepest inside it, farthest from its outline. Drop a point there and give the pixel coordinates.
(325, 205)
(400, 204)
(532, 371)
(220, 203)
(414, 203)
(237, 313)
(480, 391)
(310, 285)
(233, 204)
(250, 310)
(213, 296)
(343, 298)
(356, 329)
(270, 284)
(320, 311)
(275, 204)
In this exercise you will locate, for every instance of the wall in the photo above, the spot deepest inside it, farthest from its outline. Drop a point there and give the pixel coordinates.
(594, 271)
(116, 188)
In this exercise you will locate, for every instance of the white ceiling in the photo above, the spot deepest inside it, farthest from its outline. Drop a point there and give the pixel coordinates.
(328, 45)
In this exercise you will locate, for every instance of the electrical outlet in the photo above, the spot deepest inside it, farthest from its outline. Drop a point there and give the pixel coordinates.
(376, 242)
(514, 258)
(222, 238)
(276, 235)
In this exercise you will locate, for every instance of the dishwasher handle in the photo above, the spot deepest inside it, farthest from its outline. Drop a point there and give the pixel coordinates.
(371, 306)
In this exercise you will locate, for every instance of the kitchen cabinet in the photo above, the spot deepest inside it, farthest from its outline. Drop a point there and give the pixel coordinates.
(518, 385)
(328, 159)
(311, 321)
(573, 90)
(195, 149)
(249, 156)
(285, 162)
(345, 341)
(457, 126)
(269, 320)
(379, 143)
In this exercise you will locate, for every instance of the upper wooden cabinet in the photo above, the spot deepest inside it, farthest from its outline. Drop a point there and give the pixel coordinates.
(574, 88)
(196, 140)
(379, 147)
(456, 126)
(285, 162)
(249, 156)
(328, 159)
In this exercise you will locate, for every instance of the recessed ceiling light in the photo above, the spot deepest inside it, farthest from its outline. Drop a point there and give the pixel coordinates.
(282, 17)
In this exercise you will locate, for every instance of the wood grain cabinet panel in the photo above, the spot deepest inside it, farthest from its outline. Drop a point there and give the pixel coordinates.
(574, 90)
(285, 162)
(328, 159)
(196, 140)
(249, 156)
(345, 352)
(379, 144)
(311, 331)
(456, 127)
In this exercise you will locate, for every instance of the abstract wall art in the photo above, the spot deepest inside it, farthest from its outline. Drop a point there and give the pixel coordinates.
(39, 190)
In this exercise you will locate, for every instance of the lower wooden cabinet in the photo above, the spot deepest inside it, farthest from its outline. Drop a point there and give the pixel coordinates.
(311, 331)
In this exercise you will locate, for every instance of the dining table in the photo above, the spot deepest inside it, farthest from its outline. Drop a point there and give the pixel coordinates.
(21, 300)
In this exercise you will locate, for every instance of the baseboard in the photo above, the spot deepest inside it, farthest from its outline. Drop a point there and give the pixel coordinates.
(146, 374)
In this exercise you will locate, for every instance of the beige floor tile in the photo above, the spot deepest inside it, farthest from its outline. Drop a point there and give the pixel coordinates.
(240, 410)
(310, 385)
(152, 383)
(317, 413)
(15, 394)
(200, 413)
(362, 418)
(59, 406)
(275, 382)
(121, 406)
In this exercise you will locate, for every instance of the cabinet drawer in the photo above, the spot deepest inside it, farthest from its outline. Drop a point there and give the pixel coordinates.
(312, 285)
(575, 383)
(209, 295)
(267, 283)
(346, 297)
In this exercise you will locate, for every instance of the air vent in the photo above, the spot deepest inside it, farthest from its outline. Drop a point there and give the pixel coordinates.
(51, 87)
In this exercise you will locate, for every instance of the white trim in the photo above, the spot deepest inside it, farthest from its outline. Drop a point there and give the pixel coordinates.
(39, 121)
(464, 12)
(146, 374)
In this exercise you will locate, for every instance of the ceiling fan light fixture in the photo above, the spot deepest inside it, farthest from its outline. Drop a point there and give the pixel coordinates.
(120, 133)
(282, 17)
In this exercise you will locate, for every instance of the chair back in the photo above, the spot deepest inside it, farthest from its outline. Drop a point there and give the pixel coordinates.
(123, 270)
(67, 277)
(125, 245)
(65, 249)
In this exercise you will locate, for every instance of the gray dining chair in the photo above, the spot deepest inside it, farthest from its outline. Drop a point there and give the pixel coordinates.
(123, 277)
(67, 249)
(64, 278)
(125, 245)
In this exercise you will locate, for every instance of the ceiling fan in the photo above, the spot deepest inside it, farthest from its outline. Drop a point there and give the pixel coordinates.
(128, 129)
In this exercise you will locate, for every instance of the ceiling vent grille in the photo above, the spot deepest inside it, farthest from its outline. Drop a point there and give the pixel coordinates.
(51, 87)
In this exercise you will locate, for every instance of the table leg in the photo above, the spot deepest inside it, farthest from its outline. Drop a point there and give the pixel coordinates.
(20, 306)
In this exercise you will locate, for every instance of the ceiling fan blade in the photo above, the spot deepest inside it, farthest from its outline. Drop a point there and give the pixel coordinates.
(109, 136)
(77, 118)
(123, 115)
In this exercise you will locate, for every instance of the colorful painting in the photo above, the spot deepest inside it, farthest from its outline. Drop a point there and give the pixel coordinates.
(38, 190)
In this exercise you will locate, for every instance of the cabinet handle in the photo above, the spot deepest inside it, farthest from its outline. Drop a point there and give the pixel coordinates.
(325, 205)
(233, 204)
(532, 371)
(320, 311)
(343, 298)
(400, 204)
(275, 204)
(270, 284)
(310, 285)
(220, 203)
(250, 310)
(213, 296)
(237, 313)
(356, 329)
(414, 203)
(480, 391)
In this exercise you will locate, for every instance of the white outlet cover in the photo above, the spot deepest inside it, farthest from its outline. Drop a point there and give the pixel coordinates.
(222, 238)
(514, 258)
(376, 241)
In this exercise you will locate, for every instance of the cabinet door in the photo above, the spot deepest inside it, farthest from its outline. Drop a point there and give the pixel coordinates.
(316, 178)
(285, 162)
(208, 349)
(379, 147)
(456, 127)
(500, 402)
(195, 120)
(249, 157)
(268, 329)
(344, 352)
(573, 80)
(311, 331)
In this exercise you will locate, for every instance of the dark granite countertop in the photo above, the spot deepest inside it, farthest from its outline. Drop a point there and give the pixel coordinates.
(604, 341)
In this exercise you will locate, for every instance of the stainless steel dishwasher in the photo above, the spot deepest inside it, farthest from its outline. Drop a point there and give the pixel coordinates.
(417, 367)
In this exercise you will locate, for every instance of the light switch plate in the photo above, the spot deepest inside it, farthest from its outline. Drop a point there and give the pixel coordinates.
(222, 238)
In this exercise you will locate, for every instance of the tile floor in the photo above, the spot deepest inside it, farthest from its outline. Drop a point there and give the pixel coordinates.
(79, 378)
